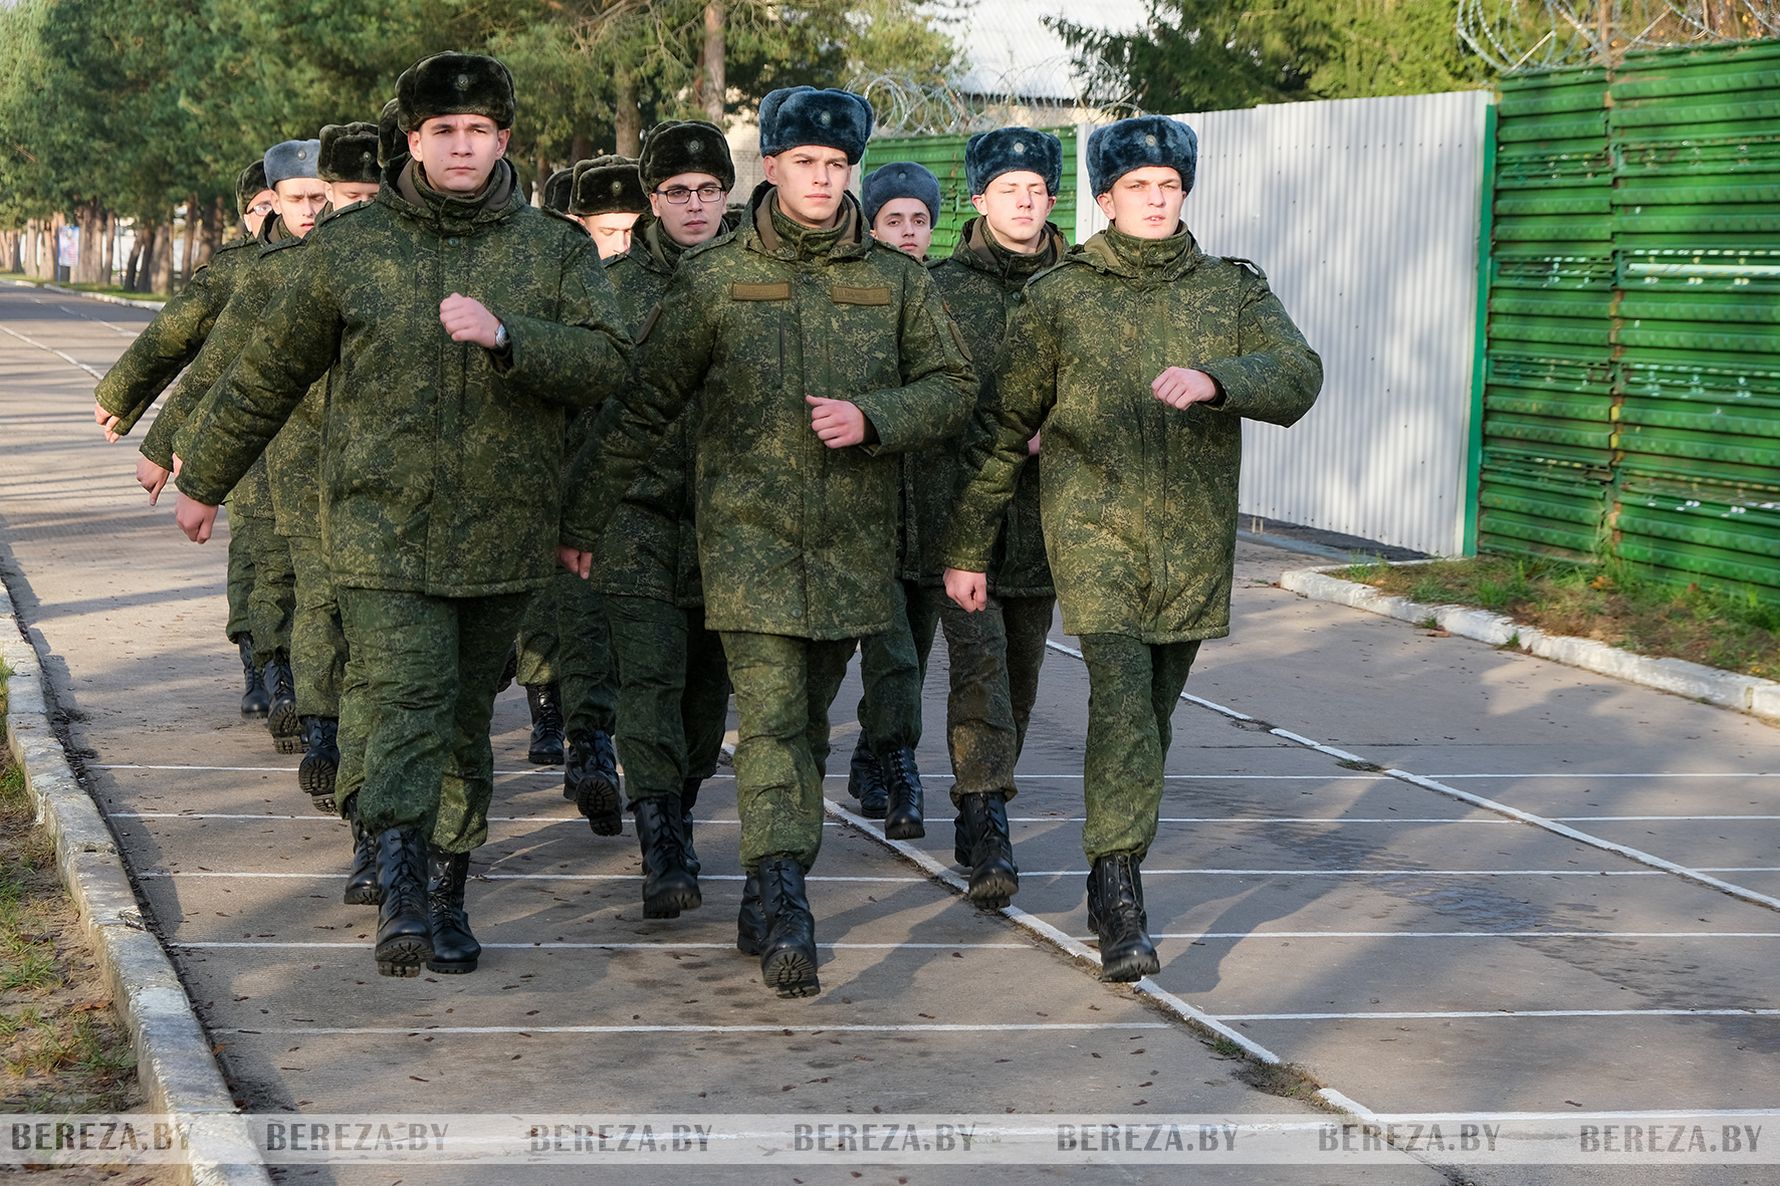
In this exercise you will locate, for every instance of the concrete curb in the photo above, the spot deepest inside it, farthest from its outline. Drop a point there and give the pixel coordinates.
(173, 1054)
(1726, 689)
(91, 296)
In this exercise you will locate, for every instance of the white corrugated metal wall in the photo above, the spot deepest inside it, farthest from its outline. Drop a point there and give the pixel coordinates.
(1364, 215)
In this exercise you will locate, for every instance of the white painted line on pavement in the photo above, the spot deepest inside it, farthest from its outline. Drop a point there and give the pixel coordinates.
(664, 945)
(528, 1030)
(731, 821)
(116, 329)
(51, 349)
(1195, 936)
(493, 876)
(328, 875)
(1459, 1015)
(1572, 774)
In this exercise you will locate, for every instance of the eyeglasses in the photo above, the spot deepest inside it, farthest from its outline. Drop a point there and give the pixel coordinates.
(261, 208)
(679, 195)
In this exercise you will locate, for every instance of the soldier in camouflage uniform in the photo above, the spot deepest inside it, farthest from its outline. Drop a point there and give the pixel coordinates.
(901, 203)
(298, 198)
(348, 169)
(816, 355)
(1138, 356)
(154, 360)
(442, 475)
(557, 189)
(673, 686)
(995, 655)
(606, 197)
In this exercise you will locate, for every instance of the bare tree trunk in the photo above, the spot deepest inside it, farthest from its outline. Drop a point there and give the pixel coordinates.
(56, 223)
(189, 242)
(628, 117)
(580, 148)
(163, 272)
(712, 85)
(108, 227)
(28, 248)
(133, 269)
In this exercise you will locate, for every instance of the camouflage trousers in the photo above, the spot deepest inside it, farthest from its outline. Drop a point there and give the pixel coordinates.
(420, 690)
(274, 595)
(783, 690)
(317, 646)
(994, 656)
(1133, 690)
(536, 642)
(893, 666)
(673, 694)
(240, 587)
(584, 669)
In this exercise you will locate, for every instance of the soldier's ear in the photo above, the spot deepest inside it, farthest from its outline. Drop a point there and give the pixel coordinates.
(503, 137)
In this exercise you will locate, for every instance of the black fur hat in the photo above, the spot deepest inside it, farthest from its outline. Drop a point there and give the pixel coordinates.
(349, 153)
(291, 159)
(685, 146)
(795, 115)
(249, 182)
(899, 179)
(392, 138)
(1137, 143)
(558, 188)
(456, 84)
(1013, 150)
(608, 185)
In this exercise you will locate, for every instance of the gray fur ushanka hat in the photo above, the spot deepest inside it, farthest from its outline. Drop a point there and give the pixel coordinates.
(1013, 150)
(900, 179)
(1138, 143)
(796, 115)
(291, 159)
(456, 84)
(349, 153)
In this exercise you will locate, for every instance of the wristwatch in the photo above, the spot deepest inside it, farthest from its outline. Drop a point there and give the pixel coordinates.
(501, 338)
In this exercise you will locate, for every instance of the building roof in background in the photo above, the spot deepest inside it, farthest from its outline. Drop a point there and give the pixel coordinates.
(1009, 50)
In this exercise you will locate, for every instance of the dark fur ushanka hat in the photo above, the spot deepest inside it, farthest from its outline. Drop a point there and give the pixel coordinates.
(1013, 150)
(249, 182)
(685, 146)
(899, 179)
(1137, 143)
(558, 188)
(349, 153)
(795, 115)
(456, 84)
(392, 138)
(291, 159)
(608, 185)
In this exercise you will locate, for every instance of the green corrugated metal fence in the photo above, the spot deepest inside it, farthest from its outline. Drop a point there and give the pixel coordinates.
(945, 156)
(1632, 383)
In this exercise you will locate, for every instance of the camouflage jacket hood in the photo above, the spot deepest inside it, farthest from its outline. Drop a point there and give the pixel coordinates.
(1139, 500)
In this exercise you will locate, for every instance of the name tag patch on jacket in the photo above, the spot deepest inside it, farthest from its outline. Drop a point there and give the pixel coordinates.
(843, 294)
(761, 292)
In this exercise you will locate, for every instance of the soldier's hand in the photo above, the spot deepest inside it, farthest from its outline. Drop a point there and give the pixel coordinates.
(1032, 445)
(1179, 387)
(837, 421)
(151, 478)
(178, 464)
(575, 560)
(194, 518)
(467, 319)
(970, 590)
(106, 421)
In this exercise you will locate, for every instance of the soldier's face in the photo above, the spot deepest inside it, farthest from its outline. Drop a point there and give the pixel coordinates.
(458, 152)
(811, 179)
(258, 207)
(1016, 206)
(905, 224)
(298, 200)
(1145, 203)
(688, 218)
(611, 232)
(342, 194)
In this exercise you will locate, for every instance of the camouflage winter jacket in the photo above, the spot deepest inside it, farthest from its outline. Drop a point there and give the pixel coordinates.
(794, 538)
(980, 281)
(1138, 498)
(169, 343)
(651, 549)
(442, 463)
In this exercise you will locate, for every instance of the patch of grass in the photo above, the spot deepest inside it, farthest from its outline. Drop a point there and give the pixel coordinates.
(1610, 602)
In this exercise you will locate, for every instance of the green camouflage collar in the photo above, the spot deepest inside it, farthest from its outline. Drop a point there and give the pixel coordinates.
(979, 249)
(406, 192)
(1112, 250)
(775, 234)
(657, 251)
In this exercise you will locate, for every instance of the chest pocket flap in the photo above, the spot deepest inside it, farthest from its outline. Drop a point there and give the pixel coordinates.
(760, 292)
(846, 294)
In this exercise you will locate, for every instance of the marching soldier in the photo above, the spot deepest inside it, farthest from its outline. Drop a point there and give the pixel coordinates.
(1138, 356)
(816, 355)
(606, 195)
(464, 323)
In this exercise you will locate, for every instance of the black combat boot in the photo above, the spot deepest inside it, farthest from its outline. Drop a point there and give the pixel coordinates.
(404, 937)
(689, 799)
(455, 950)
(590, 782)
(865, 782)
(254, 701)
(668, 885)
(321, 761)
(1115, 911)
(788, 950)
(362, 888)
(902, 821)
(281, 718)
(750, 923)
(546, 706)
(994, 878)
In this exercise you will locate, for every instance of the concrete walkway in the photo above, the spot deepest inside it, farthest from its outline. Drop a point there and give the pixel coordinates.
(1371, 914)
